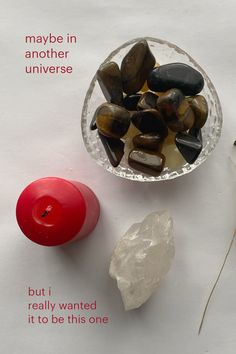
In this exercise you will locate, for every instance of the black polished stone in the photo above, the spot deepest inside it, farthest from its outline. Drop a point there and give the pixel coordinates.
(146, 161)
(189, 146)
(112, 121)
(150, 121)
(197, 133)
(136, 66)
(109, 79)
(114, 149)
(147, 100)
(176, 75)
(151, 141)
(130, 102)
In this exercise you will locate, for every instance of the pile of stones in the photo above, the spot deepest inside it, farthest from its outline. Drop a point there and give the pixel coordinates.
(148, 109)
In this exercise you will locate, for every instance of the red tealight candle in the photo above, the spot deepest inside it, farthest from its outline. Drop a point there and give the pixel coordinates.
(52, 211)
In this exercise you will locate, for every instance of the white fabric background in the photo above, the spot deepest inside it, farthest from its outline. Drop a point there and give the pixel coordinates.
(40, 136)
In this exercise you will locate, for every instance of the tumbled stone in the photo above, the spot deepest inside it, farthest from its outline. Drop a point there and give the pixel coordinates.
(150, 121)
(185, 118)
(112, 121)
(136, 66)
(197, 133)
(189, 146)
(176, 110)
(147, 100)
(109, 79)
(199, 106)
(130, 102)
(142, 258)
(151, 141)
(176, 75)
(146, 161)
(169, 102)
(114, 149)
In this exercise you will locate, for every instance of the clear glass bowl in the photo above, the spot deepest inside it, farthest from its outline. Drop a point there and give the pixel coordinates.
(164, 52)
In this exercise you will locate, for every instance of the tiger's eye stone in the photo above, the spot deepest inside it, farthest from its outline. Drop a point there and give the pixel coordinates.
(136, 66)
(185, 118)
(150, 121)
(147, 161)
(169, 102)
(189, 146)
(178, 75)
(112, 121)
(147, 100)
(176, 110)
(199, 106)
(93, 125)
(151, 141)
(109, 79)
(114, 149)
(130, 102)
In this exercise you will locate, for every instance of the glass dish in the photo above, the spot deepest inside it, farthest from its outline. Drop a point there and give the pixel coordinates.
(164, 52)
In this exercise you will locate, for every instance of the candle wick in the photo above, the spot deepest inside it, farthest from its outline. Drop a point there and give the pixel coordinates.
(46, 211)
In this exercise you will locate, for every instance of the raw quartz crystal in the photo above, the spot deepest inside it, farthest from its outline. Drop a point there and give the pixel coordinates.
(142, 257)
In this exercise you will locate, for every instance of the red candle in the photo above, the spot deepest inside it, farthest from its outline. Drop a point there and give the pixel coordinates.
(52, 211)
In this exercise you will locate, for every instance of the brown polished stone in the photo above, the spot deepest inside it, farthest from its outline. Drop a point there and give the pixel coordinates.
(151, 141)
(135, 67)
(114, 149)
(109, 79)
(147, 161)
(185, 118)
(176, 110)
(169, 102)
(112, 121)
(199, 106)
(150, 121)
(147, 100)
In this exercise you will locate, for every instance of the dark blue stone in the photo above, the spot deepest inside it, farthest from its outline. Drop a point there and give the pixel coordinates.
(114, 149)
(176, 75)
(189, 146)
(130, 102)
